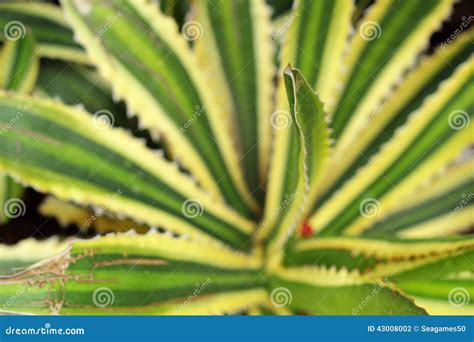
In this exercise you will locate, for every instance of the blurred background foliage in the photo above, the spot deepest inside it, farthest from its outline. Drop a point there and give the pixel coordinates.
(33, 224)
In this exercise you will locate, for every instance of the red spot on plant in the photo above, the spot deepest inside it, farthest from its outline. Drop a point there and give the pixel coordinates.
(306, 230)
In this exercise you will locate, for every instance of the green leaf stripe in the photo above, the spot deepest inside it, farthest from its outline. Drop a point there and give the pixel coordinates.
(113, 276)
(345, 299)
(247, 70)
(41, 137)
(376, 47)
(378, 128)
(18, 71)
(443, 206)
(161, 72)
(437, 131)
(54, 37)
(308, 149)
(19, 64)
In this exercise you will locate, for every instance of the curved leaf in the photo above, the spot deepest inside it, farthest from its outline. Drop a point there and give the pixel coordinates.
(439, 208)
(329, 21)
(308, 150)
(161, 82)
(55, 39)
(10, 193)
(367, 254)
(78, 85)
(148, 274)
(424, 145)
(328, 292)
(241, 69)
(379, 55)
(316, 40)
(67, 213)
(28, 252)
(366, 136)
(19, 66)
(443, 285)
(84, 162)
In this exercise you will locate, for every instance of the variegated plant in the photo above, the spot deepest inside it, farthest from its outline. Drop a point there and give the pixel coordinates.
(268, 196)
